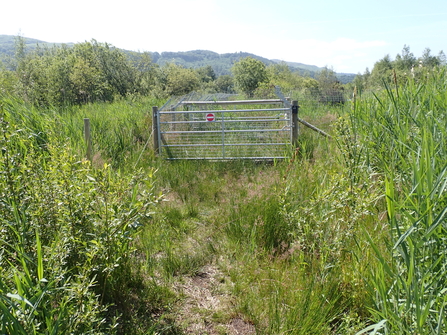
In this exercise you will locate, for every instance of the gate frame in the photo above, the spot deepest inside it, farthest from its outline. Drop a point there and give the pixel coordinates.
(294, 108)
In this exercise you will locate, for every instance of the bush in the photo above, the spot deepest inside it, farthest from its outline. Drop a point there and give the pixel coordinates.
(67, 231)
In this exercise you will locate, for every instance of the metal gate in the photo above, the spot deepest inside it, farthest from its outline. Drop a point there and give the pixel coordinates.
(242, 129)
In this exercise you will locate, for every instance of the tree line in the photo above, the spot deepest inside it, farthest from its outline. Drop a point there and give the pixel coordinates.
(92, 71)
(404, 66)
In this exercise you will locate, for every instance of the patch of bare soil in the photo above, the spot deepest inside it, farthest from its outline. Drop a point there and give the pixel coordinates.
(206, 306)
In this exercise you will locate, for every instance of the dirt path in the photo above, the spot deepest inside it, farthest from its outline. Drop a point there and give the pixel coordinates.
(205, 302)
(206, 305)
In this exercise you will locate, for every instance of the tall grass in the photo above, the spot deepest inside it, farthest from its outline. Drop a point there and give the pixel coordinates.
(120, 132)
(284, 234)
(346, 235)
(67, 230)
(403, 136)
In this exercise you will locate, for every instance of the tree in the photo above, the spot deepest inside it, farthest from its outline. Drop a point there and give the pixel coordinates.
(281, 75)
(145, 74)
(224, 84)
(19, 52)
(249, 74)
(442, 58)
(87, 72)
(382, 71)
(428, 60)
(8, 81)
(358, 82)
(327, 78)
(176, 80)
(88, 82)
(206, 74)
(405, 61)
(361, 81)
(330, 89)
(280, 71)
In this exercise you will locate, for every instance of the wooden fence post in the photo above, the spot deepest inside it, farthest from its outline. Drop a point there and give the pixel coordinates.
(155, 129)
(295, 108)
(87, 138)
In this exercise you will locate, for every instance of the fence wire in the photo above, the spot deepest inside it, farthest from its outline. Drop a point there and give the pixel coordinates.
(215, 127)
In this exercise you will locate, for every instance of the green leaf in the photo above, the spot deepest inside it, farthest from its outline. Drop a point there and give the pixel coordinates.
(39, 258)
(375, 328)
(19, 298)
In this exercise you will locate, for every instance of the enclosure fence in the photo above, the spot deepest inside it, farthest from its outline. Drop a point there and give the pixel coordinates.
(225, 129)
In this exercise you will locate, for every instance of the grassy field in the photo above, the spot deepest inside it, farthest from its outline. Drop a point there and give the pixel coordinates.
(345, 237)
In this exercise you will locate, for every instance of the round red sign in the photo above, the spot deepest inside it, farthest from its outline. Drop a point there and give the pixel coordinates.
(210, 117)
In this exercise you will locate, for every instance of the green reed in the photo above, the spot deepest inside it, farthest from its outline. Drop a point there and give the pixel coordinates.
(403, 133)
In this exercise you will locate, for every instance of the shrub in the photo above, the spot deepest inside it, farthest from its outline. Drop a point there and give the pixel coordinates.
(67, 231)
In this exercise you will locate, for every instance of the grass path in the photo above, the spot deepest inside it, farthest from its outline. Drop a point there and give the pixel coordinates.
(196, 263)
(260, 248)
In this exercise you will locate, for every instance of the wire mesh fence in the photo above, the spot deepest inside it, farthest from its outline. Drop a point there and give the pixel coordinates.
(217, 127)
(310, 100)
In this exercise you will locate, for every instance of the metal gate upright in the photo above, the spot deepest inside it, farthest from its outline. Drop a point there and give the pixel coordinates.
(224, 130)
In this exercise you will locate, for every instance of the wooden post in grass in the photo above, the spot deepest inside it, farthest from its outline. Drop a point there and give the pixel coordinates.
(295, 108)
(87, 138)
(155, 129)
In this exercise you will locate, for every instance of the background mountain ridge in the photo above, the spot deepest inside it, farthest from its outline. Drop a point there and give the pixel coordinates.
(221, 63)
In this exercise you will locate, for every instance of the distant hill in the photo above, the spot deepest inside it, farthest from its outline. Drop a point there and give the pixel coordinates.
(7, 43)
(305, 67)
(221, 63)
(312, 71)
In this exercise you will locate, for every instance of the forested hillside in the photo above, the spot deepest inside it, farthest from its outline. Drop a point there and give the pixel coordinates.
(91, 71)
(53, 74)
(7, 44)
(220, 63)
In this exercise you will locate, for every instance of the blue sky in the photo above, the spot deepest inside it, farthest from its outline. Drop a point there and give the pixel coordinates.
(348, 36)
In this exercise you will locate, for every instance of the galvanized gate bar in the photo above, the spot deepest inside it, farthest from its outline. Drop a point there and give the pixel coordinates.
(215, 145)
(230, 121)
(226, 131)
(234, 102)
(227, 111)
